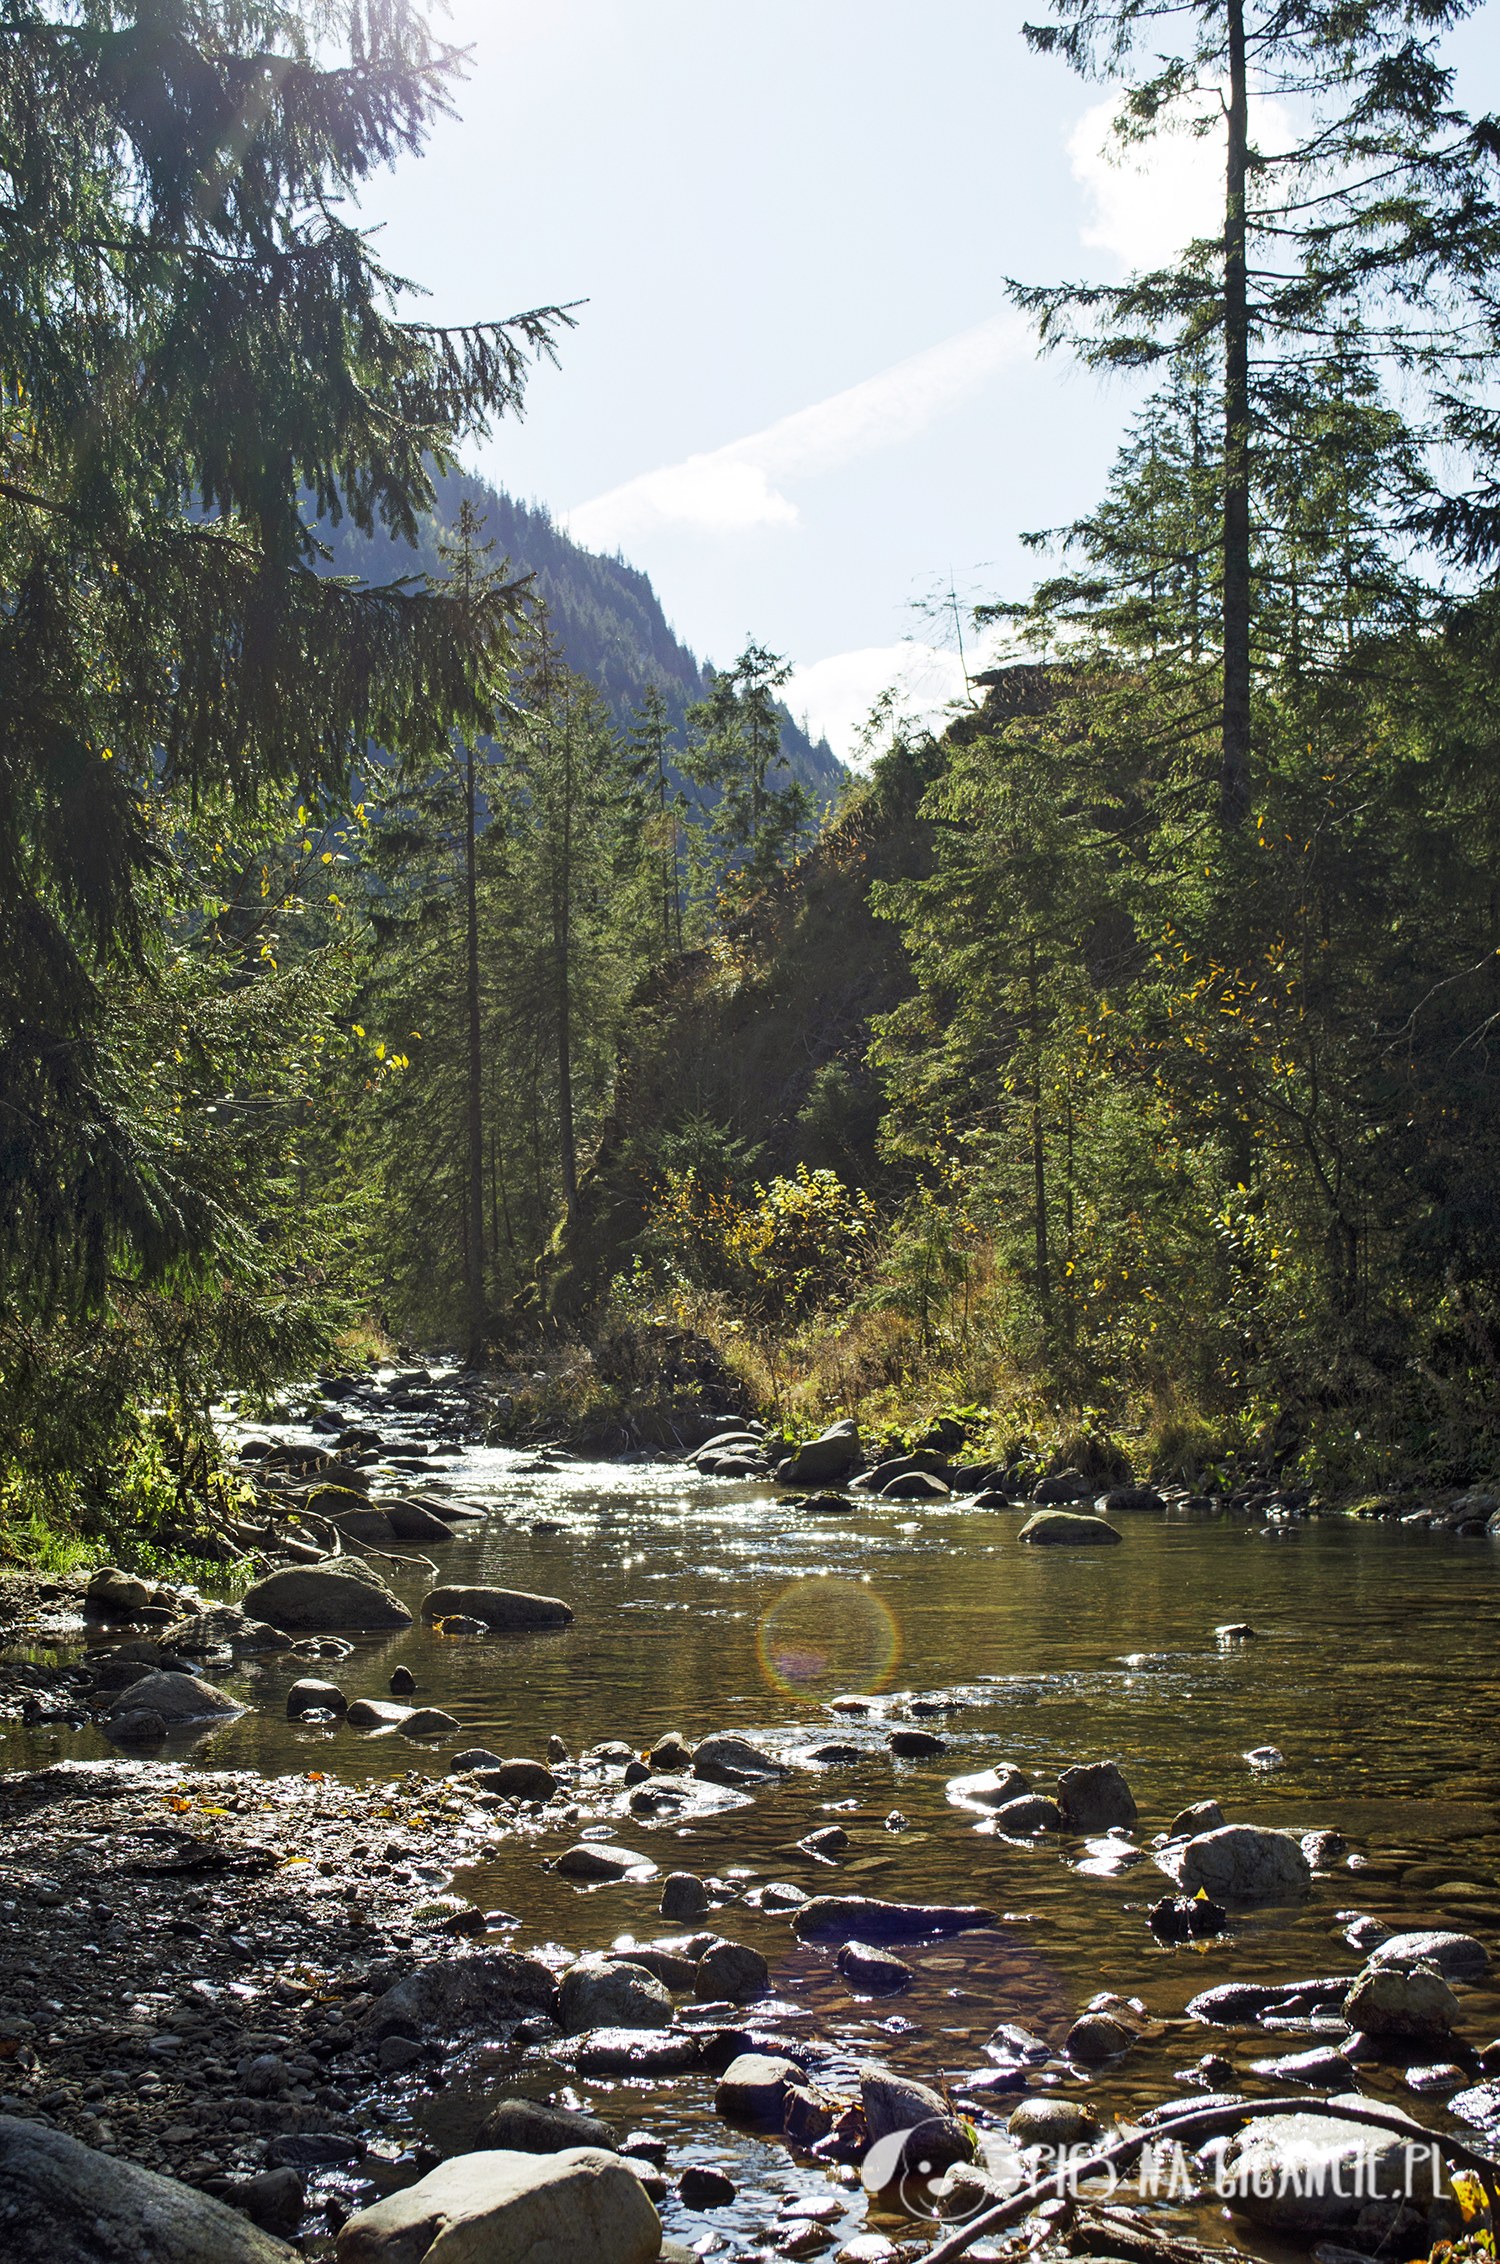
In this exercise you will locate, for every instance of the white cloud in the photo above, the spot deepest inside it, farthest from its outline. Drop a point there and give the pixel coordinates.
(732, 489)
(837, 694)
(1150, 199)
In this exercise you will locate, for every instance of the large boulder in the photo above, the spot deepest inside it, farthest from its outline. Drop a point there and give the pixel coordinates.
(448, 1994)
(989, 1788)
(1094, 1797)
(1392, 2000)
(733, 1761)
(828, 1456)
(1239, 1863)
(1065, 1528)
(409, 1521)
(598, 1994)
(503, 1610)
(1309, 2175)
(529, 2126)
(63, 2203)
(176, 1697)
(319, 1599)
(1459, 1957)
(220, 1627)
(511, 2208)
(828, 1916)
(753, 2088)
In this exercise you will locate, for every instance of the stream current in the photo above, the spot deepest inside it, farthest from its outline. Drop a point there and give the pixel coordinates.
(706, 1606)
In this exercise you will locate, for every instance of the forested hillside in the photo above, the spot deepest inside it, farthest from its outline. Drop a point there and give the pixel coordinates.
(1116, 1063)
(605, 615)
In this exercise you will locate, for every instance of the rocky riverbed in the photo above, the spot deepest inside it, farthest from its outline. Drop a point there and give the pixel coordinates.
(608, 1805)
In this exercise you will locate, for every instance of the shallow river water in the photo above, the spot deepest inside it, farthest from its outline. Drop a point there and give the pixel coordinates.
(703, 1606)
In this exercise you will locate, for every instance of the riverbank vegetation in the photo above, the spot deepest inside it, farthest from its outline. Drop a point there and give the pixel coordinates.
(1114, 1062)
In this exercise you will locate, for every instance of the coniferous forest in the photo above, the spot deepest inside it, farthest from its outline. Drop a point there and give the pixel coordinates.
(405, 935)
(608, 1322)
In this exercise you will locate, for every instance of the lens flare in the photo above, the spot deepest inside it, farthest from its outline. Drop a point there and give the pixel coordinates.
(826, 1635)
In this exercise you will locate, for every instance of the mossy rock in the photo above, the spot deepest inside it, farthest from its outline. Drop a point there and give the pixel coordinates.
(1067, 1528)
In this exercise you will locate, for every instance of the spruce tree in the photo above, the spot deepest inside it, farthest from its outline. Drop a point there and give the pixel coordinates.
(1362, 218)
(199, 358)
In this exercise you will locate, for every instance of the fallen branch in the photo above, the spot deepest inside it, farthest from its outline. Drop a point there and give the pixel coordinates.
(1203, 2123)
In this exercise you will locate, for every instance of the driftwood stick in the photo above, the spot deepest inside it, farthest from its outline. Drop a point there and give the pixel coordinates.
(1201, 2123)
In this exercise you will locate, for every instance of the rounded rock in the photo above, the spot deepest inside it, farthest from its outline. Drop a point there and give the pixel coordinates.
(312, 1697)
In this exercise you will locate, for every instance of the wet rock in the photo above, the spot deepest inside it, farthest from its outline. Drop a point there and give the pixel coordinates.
(909, 2127)
(319, 1599)
(411, 1522)
(828, 1456)
(700, 2187)
(507, 2207)
(1363, 1933)
(639, 2052)
(597, 1993)
(503, 1609)
(636, 1772)
(733, 1972)
(733, 1761)
(864, 1966)
(1236, 2001)
(834, 1755)
(1265, 1757)
(1479, 2106)
(176, 1697)
(915, 1744)
(274, 2200)
(1052, 2123)
(473, 1757)
(1234, 1631)
(1239, 1863)
(915, 1485)
(142, 1725)
(1323, 1849)
(1093, 1797)
(872, 1920)
(1063, 1485)
(361, 1523)
(823, 1505)
(221, 1627)
(64, 2203)
(1191, 1823)
(593, 1859)
(1437, 2081)
(753, 2089)
(1181, 1918)
(518, 1779)
(313, 2150)
(1063, 1528)
(312, 1697)
(1394, 2000)
(671, 1970)
(453, 1993)
(1098, 2036)
(1321, 2068)
(832, 1839)
(989, 1788)
(1033, 1812)
(376, 1713)
(1120, 1500)
(670, 1755)
(1309, 2174)
(1458, 1957)
(430, 1721)
(113, 1594)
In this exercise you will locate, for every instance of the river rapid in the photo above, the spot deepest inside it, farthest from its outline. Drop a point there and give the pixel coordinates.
(702, 1605)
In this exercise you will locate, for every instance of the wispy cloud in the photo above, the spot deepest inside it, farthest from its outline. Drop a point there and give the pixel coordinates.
(1149, 201)
(836, 694)
(733, 489)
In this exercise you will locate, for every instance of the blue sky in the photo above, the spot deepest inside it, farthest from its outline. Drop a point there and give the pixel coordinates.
(796, 396)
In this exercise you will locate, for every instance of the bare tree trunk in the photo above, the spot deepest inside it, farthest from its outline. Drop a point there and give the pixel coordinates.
(562, 909)
(1234, 773)
(475, 1267)
(1038, 1153)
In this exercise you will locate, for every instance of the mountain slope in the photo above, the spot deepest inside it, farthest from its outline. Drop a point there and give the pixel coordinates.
(605, 614)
